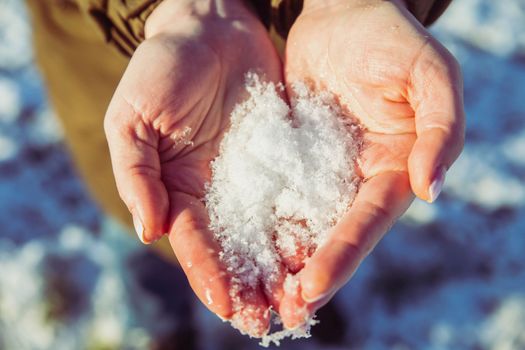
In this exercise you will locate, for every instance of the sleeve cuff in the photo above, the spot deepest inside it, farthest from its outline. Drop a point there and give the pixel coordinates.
(121, 21)
(427, 12)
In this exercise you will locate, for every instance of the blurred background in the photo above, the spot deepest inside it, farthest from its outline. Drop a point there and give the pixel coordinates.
(448, 276)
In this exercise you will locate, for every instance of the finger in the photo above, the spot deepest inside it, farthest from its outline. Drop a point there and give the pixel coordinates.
(295, 262)
(198, 254)
(295, 311)
(381, 153)
(379, 202)
(436, 95)
(273, 288)
(251, 314)
(293, 243)
(136, 166)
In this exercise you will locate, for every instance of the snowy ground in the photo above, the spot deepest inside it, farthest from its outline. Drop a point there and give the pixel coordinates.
(448, 276)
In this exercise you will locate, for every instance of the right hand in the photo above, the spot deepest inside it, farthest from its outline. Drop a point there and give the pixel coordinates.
(164, 126)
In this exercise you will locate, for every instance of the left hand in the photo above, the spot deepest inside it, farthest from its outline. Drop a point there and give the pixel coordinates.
(164, 126)
(405, 89)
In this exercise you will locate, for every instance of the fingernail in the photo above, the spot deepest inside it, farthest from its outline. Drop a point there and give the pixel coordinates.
(314, 299)
(437, 184)
(223, 319)
(301, 314)
(139, 228)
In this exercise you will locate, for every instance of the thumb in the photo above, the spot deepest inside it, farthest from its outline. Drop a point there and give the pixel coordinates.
(136, 166)
(436, 97)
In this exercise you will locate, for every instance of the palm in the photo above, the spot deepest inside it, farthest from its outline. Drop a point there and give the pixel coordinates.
(175, 114)
(368, 70)
(189, 97)
(382, 66)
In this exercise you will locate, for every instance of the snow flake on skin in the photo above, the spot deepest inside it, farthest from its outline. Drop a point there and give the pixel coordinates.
(209, 300)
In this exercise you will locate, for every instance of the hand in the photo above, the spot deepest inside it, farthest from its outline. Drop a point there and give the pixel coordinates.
(164, 126)
(405, 89)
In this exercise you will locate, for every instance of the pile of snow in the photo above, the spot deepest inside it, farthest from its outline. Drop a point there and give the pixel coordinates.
(284, 176)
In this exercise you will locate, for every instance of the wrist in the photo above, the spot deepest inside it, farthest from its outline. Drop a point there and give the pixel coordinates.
(187, 15)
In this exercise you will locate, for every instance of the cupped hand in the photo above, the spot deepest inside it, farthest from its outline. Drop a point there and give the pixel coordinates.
(405, 89)
(164, 125)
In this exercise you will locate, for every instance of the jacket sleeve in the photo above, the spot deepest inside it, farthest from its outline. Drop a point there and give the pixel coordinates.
(120, 21)
(427, 11)
(279, 15)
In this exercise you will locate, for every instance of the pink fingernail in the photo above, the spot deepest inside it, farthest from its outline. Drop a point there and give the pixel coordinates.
(437, 184)
(314, 299)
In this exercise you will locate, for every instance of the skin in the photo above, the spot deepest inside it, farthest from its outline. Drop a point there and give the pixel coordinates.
(172, 106)
(164, 125)
(405, 89)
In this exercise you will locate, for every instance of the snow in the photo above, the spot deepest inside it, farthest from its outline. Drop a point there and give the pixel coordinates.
(10, 103)
(14, 35)
(283, 177)
(450, 275)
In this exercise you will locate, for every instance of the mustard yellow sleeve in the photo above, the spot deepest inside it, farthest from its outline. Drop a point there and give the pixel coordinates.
(121, 21)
